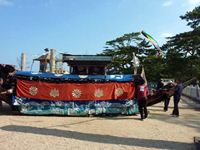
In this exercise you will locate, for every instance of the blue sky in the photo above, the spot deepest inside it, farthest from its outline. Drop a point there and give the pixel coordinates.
(83, 26)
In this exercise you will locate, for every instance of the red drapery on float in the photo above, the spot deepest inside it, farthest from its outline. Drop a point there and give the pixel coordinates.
(75, 91)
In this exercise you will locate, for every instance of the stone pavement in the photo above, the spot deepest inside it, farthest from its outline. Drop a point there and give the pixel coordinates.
(158, 131)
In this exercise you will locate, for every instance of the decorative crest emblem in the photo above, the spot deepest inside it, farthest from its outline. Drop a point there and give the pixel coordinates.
(98, 93)
(119, 92)
(54, 93)
(33, 90)
(76, 93)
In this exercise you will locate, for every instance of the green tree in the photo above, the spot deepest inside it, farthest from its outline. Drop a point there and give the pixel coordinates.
(155, 68)
(181, 58)
(192, 17)
(183, 50)
(122, 49)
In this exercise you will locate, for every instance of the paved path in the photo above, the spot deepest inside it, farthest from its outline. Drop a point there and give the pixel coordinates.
(159, 131)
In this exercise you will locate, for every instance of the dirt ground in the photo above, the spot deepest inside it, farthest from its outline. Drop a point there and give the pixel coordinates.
(159, 131)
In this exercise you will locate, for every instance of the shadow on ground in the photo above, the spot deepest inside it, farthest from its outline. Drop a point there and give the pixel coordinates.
(105, 139)
(190, 119)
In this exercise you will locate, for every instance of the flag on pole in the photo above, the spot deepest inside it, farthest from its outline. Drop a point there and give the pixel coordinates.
(136, 63)
(143, 75)
(153, 41)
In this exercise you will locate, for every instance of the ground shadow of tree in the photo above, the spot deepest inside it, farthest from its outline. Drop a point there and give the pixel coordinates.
(98, 138)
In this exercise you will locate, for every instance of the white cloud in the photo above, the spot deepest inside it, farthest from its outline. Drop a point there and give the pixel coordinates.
(194, 2)
(162, 37)
(191, 4)
(5, 2)
(167, 3)
(166, 34)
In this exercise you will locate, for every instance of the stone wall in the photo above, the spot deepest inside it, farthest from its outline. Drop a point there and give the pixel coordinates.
(192, 92)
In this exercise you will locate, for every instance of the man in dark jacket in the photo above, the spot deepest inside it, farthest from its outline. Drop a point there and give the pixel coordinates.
(177, 96)
(168, 91)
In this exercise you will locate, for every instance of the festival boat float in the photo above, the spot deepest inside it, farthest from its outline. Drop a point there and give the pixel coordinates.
(85, 90)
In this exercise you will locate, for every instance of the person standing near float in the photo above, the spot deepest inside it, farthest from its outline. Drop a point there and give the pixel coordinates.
(177, 96)
(142, 92)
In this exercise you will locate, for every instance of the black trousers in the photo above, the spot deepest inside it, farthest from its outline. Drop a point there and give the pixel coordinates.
(166, 102)
(176, 108)
(142, 103)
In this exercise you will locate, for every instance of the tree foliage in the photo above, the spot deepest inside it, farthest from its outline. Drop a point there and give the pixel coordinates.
(183, 50)
(192, 17)
(181, 58)
(122, 49)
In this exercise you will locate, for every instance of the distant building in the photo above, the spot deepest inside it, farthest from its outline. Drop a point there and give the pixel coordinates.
(78, 64)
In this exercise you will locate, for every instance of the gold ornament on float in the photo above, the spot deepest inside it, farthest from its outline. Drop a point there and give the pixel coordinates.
(98, 93)
(76, 93)
(54, 93)
(119, 92)
(33, 90)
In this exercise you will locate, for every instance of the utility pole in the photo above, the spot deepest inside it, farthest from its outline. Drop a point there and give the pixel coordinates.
(52, 60)
(23, 62)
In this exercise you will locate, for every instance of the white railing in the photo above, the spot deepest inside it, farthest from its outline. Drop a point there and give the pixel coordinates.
(192, 92)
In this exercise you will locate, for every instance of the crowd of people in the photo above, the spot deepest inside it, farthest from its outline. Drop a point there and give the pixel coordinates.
(6, 87)
(168, 90)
